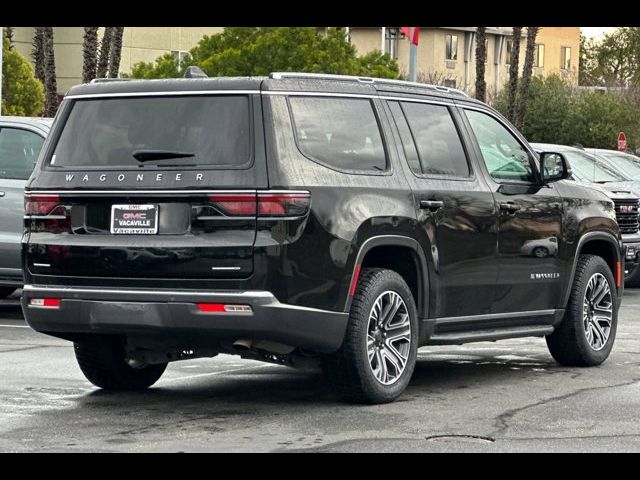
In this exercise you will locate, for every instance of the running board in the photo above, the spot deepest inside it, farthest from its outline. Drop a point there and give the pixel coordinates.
(489, 335)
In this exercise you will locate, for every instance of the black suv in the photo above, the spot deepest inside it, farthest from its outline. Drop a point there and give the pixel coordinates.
(302, 217)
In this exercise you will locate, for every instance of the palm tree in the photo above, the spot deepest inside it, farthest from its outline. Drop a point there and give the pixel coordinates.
(38, 53)
(50, 82)
(481, 58)
(89, 54)
(532, 33)
(105, 48)
(514, 64)
(115, 52)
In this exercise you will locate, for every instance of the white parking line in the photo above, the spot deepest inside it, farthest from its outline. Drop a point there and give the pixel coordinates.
(14, 326)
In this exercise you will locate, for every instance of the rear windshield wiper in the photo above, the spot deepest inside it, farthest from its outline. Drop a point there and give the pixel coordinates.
(148, 155)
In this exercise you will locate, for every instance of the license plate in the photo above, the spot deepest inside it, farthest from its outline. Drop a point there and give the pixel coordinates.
(134, 219)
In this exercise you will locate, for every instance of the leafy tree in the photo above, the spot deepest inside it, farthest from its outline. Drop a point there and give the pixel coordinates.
(481, 58)
(514, 67)
(239, 51)
(22, 93)
(559, 113)
(164, 67)
(613, 61)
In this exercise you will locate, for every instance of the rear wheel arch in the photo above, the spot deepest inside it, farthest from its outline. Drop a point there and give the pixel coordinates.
(392, 252)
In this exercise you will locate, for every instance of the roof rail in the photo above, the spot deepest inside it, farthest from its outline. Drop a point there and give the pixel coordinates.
(106, 80)
(350, 78)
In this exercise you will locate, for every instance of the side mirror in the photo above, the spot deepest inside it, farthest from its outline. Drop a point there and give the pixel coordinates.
(553, 167)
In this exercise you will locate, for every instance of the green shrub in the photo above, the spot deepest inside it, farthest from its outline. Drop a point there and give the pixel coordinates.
(22, 93)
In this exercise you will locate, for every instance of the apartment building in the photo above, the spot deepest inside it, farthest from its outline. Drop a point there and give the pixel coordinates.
(446, 55)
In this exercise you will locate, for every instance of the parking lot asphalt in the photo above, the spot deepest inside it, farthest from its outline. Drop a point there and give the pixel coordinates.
(502, 396)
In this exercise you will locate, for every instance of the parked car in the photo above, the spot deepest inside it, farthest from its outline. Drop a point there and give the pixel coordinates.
(341, 220)
(623, 162)
(600, 174)
(21, 139)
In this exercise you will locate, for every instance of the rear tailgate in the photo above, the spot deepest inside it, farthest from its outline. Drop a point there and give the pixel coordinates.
(149, 187)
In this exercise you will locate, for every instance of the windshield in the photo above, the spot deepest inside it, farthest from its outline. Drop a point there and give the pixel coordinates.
(629, 164)
(193, 130)
(588, 168)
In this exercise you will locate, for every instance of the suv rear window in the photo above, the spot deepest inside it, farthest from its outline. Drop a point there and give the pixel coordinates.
(342, 133)
(107, 132)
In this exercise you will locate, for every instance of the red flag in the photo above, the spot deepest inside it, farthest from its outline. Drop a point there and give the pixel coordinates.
(412, 33)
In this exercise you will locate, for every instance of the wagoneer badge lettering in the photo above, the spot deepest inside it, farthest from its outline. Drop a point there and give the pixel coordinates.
(140, 177)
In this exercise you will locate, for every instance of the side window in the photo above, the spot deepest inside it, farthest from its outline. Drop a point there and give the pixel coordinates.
(19, 150)
(342, 133)
(436, 137)
(505, 157)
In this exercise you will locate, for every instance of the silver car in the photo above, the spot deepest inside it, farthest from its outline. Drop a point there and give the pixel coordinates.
(21, 140)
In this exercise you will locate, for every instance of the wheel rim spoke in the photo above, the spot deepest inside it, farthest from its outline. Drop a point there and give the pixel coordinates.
(389, 337)
(597, 311)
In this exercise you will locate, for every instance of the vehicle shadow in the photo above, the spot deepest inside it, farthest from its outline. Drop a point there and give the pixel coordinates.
(284, 387)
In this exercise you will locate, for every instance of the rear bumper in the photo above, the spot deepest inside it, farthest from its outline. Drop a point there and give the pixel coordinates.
(169, 314)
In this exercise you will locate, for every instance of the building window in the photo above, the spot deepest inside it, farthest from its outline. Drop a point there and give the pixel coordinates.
(451, 42)
(539, 62)
(509, 50)
(565, 54)
(178, 56)
(450, 83)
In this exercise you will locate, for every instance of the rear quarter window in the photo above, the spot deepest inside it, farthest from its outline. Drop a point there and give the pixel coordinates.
(341, 133)
(19, 150)
(214, 130)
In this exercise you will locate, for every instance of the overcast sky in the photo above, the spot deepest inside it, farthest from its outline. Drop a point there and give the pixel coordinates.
(596, 32)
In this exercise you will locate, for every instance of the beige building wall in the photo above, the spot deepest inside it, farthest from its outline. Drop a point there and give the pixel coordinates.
(553, 39)
(139, 44)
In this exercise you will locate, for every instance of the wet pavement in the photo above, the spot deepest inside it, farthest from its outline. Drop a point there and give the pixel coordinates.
(503, 396)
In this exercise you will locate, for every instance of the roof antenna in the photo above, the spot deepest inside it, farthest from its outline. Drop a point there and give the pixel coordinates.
(194, 72)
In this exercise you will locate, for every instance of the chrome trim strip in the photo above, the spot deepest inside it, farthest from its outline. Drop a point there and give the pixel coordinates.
(495, 316)
(46, 265)
(72, 290)
(164, 93)
(155, 192)
(229, 269)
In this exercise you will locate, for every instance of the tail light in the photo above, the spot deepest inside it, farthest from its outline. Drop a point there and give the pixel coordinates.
(263, 204)
(53, 303)
(40, 204)
(223, 308)
(47, 213)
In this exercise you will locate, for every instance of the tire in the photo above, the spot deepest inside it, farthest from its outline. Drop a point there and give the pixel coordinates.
(102, 360)
(540, 252)
(349, 370)
(6, 291)
(632, 279)
(570, 344)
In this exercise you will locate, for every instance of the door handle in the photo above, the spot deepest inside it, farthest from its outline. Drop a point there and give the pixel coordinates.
(431, 205)
(509, 207)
